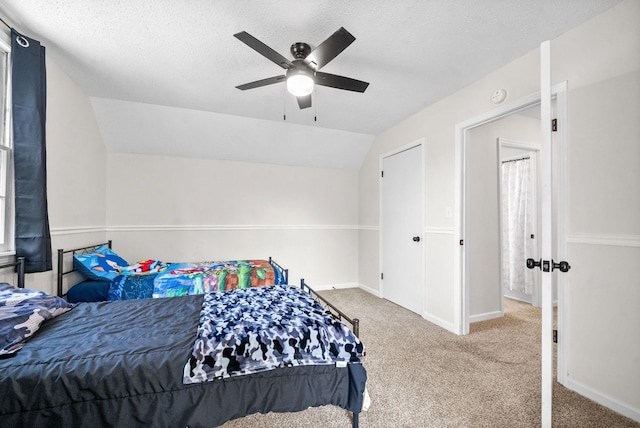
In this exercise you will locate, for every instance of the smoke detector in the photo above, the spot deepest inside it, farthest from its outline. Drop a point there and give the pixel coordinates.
(498, 96)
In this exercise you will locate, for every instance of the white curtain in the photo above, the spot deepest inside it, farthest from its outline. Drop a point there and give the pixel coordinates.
(517, 215)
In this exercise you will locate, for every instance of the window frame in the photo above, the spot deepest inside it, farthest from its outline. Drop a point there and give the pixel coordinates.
(7, 242)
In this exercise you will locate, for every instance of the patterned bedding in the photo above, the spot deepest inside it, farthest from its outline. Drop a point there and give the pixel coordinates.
(121, 364)
(181, 279)
(258, 329)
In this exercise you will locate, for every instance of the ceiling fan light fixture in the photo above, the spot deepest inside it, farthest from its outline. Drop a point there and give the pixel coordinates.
(299, 83)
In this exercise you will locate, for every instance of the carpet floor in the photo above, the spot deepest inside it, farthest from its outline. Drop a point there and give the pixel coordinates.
(420, 375)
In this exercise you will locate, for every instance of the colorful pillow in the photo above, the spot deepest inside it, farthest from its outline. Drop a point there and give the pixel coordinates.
(144, 268)
(101, 265)
(22, 312)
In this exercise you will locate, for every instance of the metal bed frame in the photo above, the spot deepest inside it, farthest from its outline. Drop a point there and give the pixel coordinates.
(82, 250)
(19, 268)
(89, 249)
(335, 312)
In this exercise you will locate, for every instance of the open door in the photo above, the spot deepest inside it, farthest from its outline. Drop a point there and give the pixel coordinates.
(546, 235)
(552, 239)
(550, 262)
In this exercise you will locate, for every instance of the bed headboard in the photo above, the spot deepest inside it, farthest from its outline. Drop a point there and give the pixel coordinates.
(18, 266)
(73, 252)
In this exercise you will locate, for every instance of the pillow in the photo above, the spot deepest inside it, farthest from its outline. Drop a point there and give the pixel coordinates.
(144, 268)
(88, 291)
(101, 265)
(128, 287)
(22, 312)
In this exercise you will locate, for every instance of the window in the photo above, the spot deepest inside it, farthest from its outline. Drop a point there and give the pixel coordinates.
(6, 154)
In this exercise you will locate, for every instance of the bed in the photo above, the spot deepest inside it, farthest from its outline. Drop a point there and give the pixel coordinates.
(124, 363)
(107, 276)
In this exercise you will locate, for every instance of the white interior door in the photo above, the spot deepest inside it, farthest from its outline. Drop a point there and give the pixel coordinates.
(402, 220)
(546, 236)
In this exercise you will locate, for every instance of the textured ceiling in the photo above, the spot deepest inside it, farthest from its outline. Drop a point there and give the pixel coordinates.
(149, 60)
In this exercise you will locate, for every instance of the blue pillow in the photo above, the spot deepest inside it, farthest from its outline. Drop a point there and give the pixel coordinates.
(101, 265)
(22, 312)
(129, 287)
(88, 291)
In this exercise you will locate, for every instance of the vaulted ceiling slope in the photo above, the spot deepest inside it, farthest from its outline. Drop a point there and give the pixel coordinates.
(162, 73)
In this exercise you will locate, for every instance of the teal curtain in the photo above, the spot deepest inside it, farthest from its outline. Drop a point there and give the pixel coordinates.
(29, 99)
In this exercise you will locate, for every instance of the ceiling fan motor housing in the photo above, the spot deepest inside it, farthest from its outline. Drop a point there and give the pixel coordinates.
(300, 50)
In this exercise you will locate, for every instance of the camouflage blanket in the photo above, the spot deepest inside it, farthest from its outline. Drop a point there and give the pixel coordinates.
(250, 330)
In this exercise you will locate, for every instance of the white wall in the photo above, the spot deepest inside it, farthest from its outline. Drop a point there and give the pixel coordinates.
(327, 225)
(482, 234)
(436, 125)
(76, 171)
(184, 209)
(603, 289)
(173, 208)
(600, 60)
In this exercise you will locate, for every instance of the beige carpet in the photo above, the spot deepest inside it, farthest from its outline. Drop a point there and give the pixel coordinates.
(420, 375)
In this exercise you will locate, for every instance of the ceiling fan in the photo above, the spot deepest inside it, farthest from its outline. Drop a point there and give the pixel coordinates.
(303, 73)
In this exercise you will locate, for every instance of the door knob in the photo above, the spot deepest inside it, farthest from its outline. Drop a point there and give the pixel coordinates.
(532, 264)
(563, 266)
(544, 265)
(416, 239)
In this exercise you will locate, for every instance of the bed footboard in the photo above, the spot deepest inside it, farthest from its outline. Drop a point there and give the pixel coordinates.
(337, 313)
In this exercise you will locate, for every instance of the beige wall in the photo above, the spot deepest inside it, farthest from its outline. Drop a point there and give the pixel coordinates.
(600, 60)
(436, 125)
(482, 234)
(183, 209)
(603, 290)
(325, 223)
(76, 171)
(189, 209)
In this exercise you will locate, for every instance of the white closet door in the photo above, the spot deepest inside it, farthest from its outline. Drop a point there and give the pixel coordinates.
(402, 222)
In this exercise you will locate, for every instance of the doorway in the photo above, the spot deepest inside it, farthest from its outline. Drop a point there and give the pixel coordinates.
(486, 227)
(558, 144)
(401, 227)
(519, 228)
(465, 176)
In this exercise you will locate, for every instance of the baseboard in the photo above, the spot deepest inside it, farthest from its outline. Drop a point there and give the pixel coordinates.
(603, 399)
(485, 316)
(440, 323)
(333, 286)
(369, 290)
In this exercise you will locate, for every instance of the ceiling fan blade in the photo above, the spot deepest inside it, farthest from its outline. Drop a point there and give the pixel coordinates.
(263, 49)
(304, 102)
(329, 49)
(340, 82)
(262, 82)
